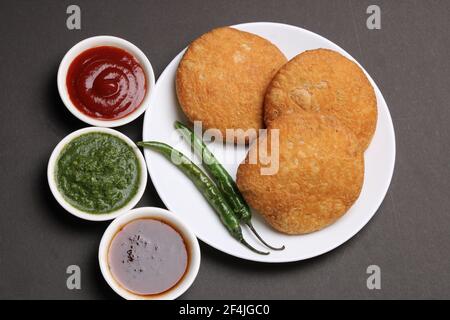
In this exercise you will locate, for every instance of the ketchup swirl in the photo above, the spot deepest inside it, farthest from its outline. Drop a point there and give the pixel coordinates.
(106, 83)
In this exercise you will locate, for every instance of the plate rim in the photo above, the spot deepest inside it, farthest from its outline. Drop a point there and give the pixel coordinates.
(333, 245)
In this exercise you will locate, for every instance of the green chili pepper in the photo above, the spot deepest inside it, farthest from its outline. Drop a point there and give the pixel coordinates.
(224, 181)
(206, 187)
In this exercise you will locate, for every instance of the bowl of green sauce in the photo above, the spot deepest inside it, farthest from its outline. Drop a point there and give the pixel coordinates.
(97, 173)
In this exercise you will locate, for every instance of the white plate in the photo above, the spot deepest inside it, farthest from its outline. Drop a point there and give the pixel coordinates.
(181, 197)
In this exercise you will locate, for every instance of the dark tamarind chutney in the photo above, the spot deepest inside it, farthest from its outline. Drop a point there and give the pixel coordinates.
(148, 257)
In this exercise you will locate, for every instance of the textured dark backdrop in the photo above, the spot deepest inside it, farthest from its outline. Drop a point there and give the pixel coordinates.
(408, 58)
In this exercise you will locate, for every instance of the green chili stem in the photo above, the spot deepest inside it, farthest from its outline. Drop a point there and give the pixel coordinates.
(250, 225)
(245, 243)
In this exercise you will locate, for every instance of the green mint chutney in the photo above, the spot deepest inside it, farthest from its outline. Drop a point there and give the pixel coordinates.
(97, 173)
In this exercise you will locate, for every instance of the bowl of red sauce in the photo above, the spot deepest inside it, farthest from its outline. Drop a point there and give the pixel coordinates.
(105, 81)
(149, 254)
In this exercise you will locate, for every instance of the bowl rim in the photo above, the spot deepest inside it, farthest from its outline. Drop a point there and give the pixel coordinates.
(97, 41)
(151, 213)
(77, 212)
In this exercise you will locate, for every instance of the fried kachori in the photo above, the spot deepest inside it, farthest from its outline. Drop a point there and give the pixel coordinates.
(320, 173)
(222, 79)
(324, 81)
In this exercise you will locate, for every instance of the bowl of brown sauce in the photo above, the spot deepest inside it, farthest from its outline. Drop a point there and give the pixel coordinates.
(149, 254)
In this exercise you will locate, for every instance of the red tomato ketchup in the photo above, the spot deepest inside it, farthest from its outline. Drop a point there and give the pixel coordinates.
(106, 83)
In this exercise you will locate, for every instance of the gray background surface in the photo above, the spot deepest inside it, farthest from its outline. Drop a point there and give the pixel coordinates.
(408, 58)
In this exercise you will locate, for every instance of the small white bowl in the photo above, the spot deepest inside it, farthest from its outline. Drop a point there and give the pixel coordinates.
(77, 212)
(99, 41)
(151, 213)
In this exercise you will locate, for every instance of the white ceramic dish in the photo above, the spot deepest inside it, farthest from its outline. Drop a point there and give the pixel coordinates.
(180, 195)
(163, 215)
(84, 215)
(97, 42)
